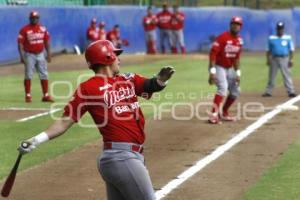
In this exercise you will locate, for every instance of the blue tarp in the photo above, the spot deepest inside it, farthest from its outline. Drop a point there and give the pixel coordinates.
(67, 25)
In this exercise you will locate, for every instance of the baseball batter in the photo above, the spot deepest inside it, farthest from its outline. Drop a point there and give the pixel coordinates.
(150, 23)
(111, 99)
(92, 33)
(177, 23)
(33, 39)
(224, 70)
(280, 56)
(164, 25)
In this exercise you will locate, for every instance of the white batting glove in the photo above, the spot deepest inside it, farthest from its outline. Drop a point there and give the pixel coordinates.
(26, 147)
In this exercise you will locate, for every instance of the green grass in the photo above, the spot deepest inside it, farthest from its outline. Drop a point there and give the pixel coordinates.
(282, 181)
(190, 78)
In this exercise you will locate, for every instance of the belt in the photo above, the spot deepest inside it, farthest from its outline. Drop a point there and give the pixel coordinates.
(123, 146)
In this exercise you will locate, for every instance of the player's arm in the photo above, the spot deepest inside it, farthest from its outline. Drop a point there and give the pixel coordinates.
(21, 52)
(214, 51)
(291, 53)
(58, 128)
(48, 50)
(236, 66)
(159, 82)
(21, 38)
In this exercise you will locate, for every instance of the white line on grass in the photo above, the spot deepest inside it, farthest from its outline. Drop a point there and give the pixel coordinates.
(38, 115)
(29, 109)
(173, 184)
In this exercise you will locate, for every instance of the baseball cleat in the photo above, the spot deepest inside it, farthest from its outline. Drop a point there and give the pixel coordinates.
(292, 95)
(47, 99)
(228, 118)
(28, 99)
(214, 118)
(266, 95)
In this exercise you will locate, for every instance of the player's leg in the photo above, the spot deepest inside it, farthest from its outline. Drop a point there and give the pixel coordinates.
(181, 41)
(234, 93)
(162, 40)
(30, 62)
(286, 74)
(128, 175)
(273, 68)
(173, 41)
(151, 42)
(43, 74)
(222, 87)
(113, 193)
(148, 39)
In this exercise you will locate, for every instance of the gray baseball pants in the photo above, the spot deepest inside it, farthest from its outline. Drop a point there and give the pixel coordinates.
(281, 63)
(165, 35)
(36, 62)
(125, 175)
(226, 81)
(178, 38)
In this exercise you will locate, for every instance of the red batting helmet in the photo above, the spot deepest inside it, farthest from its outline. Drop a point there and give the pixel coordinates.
(101, 52)
(236, 20)
(34, 14)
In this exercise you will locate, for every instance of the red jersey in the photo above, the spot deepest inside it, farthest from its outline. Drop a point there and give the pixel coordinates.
(164, 19)
(226, 49)
(177, 21)
(113, 105)
(92, 33)
(102, 34)
(33, 38)
(114, 37)
(149, 22)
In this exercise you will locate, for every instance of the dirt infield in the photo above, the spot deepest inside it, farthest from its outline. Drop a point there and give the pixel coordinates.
(173, 146)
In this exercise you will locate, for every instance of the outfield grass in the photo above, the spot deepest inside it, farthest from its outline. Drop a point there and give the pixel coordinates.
(191, 77)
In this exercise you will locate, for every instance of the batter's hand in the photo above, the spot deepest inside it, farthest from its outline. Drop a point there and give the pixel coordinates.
(48, 58)
(212, 79)
(26, 149)
(165, 73)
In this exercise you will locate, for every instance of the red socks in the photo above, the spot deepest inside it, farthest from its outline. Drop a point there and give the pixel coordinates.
(217, 101)
(229, 101)
(44, 84)
(27, 87)
(183, 51)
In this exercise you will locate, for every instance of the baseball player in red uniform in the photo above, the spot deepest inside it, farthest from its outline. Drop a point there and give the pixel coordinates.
(112, 101)
(102, 32)
(177, 22)
(150, 23)
(224, 70)
(115, 37)
(92, 33)
(164, 24)
(33, 39)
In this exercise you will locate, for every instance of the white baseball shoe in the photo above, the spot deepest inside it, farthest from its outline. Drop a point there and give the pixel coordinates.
(227, 118)
(214, 118)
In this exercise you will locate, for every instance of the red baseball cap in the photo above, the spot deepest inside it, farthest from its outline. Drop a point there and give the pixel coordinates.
(94, 21)
(34, 14)
(236, 20)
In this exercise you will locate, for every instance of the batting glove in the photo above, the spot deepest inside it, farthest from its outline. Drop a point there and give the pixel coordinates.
(26, 147)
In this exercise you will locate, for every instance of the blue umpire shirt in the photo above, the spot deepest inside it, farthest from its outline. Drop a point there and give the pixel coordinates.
(280, 46)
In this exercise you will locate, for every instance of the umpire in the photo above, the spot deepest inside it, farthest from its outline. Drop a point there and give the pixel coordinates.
(279, 56)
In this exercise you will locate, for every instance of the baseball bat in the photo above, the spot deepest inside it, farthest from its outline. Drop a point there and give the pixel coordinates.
(12, 175)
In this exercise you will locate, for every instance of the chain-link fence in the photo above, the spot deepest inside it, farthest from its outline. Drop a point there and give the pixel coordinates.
(258, 4)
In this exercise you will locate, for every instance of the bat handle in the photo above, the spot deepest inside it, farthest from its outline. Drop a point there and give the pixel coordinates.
(25, 145)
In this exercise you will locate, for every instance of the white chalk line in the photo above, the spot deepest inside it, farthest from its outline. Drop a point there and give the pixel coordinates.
(26, 109)
(39, 115)
(173, 184)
